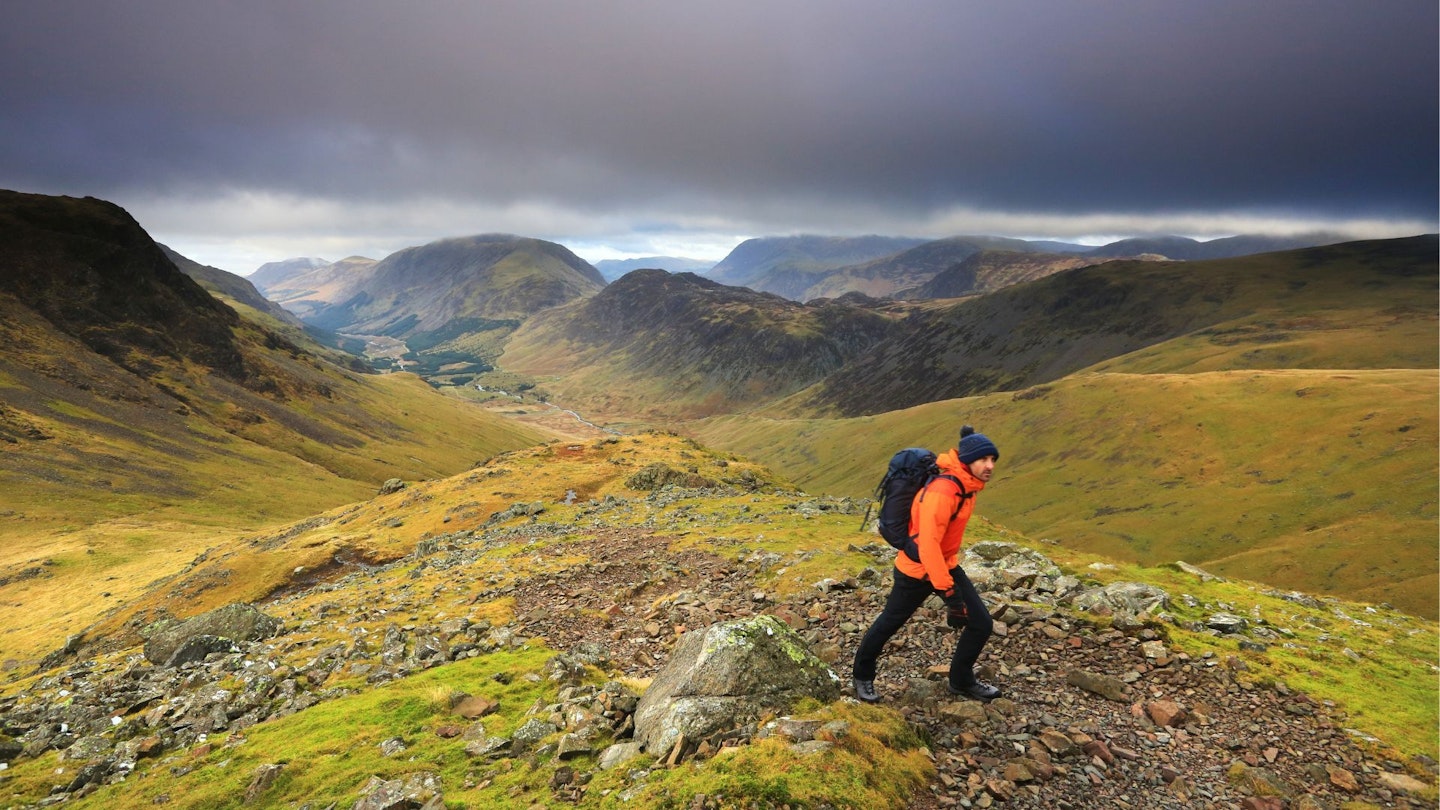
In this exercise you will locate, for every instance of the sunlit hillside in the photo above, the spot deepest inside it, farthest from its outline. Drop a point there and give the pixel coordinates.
(401, 605)
(141, 419)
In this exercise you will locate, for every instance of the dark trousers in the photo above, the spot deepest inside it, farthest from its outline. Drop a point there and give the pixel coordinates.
(906, 597)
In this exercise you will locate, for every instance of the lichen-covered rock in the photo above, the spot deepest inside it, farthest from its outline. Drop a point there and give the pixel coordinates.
(416, 790)
(726, 675)
(529, 734)
(1130, 598)
(618, 754)
(1226, 623)
(659, 475)
(234, 622)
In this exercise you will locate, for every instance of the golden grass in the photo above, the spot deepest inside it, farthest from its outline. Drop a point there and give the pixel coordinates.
(1336, 651)
(168, 497)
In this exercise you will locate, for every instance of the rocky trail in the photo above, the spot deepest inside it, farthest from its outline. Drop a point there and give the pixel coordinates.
(1144, 728)
(1093, 714)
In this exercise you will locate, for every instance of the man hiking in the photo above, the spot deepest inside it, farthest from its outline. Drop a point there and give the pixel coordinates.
(937, 522)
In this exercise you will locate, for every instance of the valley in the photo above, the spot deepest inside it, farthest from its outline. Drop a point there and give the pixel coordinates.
(550, 461)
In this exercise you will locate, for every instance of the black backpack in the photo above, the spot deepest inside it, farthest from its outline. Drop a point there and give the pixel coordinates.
(910, 471)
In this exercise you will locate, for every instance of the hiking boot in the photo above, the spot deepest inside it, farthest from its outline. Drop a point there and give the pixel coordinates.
(865, 690)
(977, 691)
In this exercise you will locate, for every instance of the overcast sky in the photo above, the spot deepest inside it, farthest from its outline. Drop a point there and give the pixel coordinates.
(250, 131)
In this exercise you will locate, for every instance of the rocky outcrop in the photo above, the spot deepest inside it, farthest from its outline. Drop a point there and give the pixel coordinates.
(726, 675)
(659, 475)
(416, 791)
(216, 631)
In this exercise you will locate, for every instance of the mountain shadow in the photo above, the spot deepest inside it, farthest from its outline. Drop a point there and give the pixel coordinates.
(790, 265)
(89, 269)
(1033, 333)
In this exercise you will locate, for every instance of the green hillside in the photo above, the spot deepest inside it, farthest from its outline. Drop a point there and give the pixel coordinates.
(1322, 481)
(420, 290)
(1356, 305)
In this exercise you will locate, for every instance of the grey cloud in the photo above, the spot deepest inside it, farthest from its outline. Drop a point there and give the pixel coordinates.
(1323, 108)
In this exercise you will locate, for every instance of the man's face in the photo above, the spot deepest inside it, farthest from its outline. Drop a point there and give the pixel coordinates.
(982, 468)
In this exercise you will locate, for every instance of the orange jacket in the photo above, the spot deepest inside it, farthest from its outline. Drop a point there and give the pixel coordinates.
(936, 534)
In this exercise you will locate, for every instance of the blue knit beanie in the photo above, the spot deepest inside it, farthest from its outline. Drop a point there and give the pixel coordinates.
(974, 446)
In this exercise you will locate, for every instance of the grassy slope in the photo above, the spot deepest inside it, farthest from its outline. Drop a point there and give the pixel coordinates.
(171, 492)
(1289, 435)
(1321, 481)
(333, 748)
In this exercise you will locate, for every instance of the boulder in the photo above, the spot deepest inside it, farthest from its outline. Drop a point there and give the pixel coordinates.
(196, 648)
(531, 732)
(416, 791)
(1402, 783)
(660, 475)
(232, 623)
(9, 748)
(1226, 623)
(1105, 686)
(263, 777)
(618, 754)
(726, 675)
(1123, 598)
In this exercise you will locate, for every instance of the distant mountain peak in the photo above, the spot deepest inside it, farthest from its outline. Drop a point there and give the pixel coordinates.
(613, 269)
(271, 274)
(486, 276)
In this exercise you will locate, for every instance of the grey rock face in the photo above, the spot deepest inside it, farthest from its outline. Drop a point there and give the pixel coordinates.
(416, 790)
(726, 675)
(1226, 623)
(1128, 598)
(235, 622)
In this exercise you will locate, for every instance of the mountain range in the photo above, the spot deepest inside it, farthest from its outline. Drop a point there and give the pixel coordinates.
(806, 267)
(580, 460)
(656, 345)
(308, 286)
(612, 269)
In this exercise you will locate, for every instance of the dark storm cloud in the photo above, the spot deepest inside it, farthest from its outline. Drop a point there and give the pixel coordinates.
(1322, 108)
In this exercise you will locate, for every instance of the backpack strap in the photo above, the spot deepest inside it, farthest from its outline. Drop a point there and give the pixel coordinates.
(959, 490)
(911, 549)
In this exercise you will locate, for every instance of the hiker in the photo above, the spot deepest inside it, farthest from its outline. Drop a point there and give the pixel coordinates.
(937, 520)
